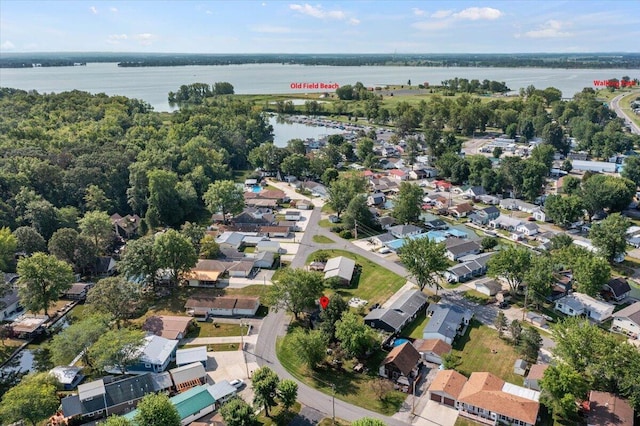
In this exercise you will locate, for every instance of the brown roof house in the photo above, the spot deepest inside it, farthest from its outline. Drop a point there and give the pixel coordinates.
(607, 409)
(401, 364)
(127, 226)
(205, 273)
(536, 372)
(168, 326)
(211, 306)
(489, 399)
(446, 387)
(432, 350)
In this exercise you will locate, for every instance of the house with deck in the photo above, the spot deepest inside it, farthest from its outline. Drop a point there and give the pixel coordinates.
(447, 321)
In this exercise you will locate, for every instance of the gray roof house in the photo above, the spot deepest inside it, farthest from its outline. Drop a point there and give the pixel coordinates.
(457, 248)
(484, 216)
(473, 266)
(341, 267)
(405, 231)
(399, 313)
(619, 288)
(230, 239)
(447, 321)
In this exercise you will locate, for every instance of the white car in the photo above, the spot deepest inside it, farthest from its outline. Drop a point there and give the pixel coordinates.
(384, 250)
(237, 383)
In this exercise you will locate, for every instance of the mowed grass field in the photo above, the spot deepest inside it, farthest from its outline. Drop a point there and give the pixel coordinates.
(375, 284)
(476, 348)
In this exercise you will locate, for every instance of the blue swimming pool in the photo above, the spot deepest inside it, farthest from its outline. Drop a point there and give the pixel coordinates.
(256, 188)
(399, 342)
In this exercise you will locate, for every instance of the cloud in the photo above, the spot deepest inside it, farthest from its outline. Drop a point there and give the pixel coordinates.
(7, 45)
(354, 21)
(93, 10)
(478, 13)
(550, 29)
(208, 12)
(116, 38)
(145, 39)
(113, 9)
(318, 12)
(270, 29)
(440, 14)
(418, 12)
(431, 25)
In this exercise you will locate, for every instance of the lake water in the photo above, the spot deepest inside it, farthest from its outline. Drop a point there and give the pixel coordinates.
(284, 131)
(152, 84)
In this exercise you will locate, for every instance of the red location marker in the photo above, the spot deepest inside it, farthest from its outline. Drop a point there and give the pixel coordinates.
(324, 302)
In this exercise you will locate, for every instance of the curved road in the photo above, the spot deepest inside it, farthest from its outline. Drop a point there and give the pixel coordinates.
(615, 105)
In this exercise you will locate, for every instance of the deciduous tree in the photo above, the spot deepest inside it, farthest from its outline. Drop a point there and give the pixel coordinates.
(295, 290)
(174, 252)
(77, 339)
(609, 236)
(332, 314)
(236, 412)
(342, 190)
(511, 264)
(407, 204)
(32, 400)
(225, 197)
(500, 323)
(156, 409)
(590, 273)
(425, 260)
(356, 338)
(140, 261)
(265, 385)
(97, 226)
(530, 344)
(117, 349)
(42, 279)
(310, 346)
(561, 387)
(8, 244)
(288, 393)
(358, 214)
(539, 279)
(115, 296)
(564, 210)
(29, 240)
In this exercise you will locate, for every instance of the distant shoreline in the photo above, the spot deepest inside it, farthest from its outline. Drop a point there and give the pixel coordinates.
(134, 60)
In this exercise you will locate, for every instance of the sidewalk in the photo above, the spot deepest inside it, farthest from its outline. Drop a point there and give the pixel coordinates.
(213, 340)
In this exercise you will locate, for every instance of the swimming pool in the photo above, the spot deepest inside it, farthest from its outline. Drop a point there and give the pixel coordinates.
(256, 188)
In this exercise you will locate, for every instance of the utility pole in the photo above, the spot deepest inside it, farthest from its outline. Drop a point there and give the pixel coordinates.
(526, 296)
(333, 404)
(413, 401)
(355, 225)
(244, 356)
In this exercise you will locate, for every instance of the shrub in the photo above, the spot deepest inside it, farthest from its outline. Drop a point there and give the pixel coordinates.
(346, 234)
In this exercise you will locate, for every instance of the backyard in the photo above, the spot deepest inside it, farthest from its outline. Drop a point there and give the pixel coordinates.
(374, 284)
(480, 349)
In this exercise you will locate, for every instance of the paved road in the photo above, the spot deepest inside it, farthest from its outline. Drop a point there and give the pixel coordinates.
(615, 105)
(275, 324)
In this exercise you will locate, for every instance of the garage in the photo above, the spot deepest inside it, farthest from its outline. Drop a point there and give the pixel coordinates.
(450, 402)
(436, 398)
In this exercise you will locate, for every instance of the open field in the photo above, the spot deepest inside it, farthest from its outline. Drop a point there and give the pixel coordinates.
(475, 351)
(375, 284)
(279, 416)
(351, 387)
(321, 239)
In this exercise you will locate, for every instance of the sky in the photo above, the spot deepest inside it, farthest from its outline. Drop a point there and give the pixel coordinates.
(320, 27)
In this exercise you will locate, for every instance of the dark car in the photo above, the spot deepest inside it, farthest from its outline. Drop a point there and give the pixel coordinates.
(504, 305)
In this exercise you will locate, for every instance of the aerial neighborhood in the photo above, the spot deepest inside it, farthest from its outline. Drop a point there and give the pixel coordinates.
(454, 261)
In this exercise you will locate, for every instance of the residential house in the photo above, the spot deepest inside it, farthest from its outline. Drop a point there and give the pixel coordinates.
(475, 192)
(432, 350)
(251, 239)
(191, 405)
(168, 326)
(250, 183)
(264, 259)
(447, 321)
(222, 392)
(576, 304)
(27, 326)
(617, 289)
(461, 210)
(627, 321)
(562, 285)
(520, 367)
(399, 175)
(505, 222)
(607, 409)
(473, 266)
(305, 204)
(155, 354)
(443, 185)
(424, 173)
(268, 246)
(127, 226)
(188, 375)
(403, 309)
(523, 206)
(457, 248)
(436, 225)
(492, 200)
(230, 239)
(446, 387)
(488, 287)
(68, 376)
(209, 306)
(293, 215)
(529, 229)
(484, 216)
(205, 273)
(386, 222)
(241, 269)
(77, 291)
(105, 266)
(536, 372)
(340, 267)
(401, 364)
(106, 397)
(405, 231)
(9, 304)
(316, 189)
(490, 400)
(191, 354)
(276, 231)
(376, 199)
(162, 382)
(536, 319)
(594, 166)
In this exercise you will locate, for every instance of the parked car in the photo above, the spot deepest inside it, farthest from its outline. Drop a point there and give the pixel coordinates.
(384, 250)
(334, 219)
(504, 305)
(237, 383)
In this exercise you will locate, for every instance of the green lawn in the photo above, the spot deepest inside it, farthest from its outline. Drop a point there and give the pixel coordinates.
(415, 327)
(211, 329)
(321, 239)
(279, 417)
(475, 351)
(375, 284)
(326, 224)
(223, 347)
(351, 387)
(327, 421)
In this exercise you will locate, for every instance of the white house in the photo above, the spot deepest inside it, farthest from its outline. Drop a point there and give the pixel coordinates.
(529, 229)
(292, 215)
(432, 350)
(576, 304)
(488, 287)
(230, 239)
(627, 321)
(341, 267)
(191, 354)
(9, 304)
(447, 321)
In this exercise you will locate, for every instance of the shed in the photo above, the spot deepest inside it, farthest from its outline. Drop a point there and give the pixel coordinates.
(341, 267)
(520, 367)
(191, 354)
(188, 376)
(488, 287)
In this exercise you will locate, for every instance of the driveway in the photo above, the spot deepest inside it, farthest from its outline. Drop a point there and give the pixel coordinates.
(435, 414)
